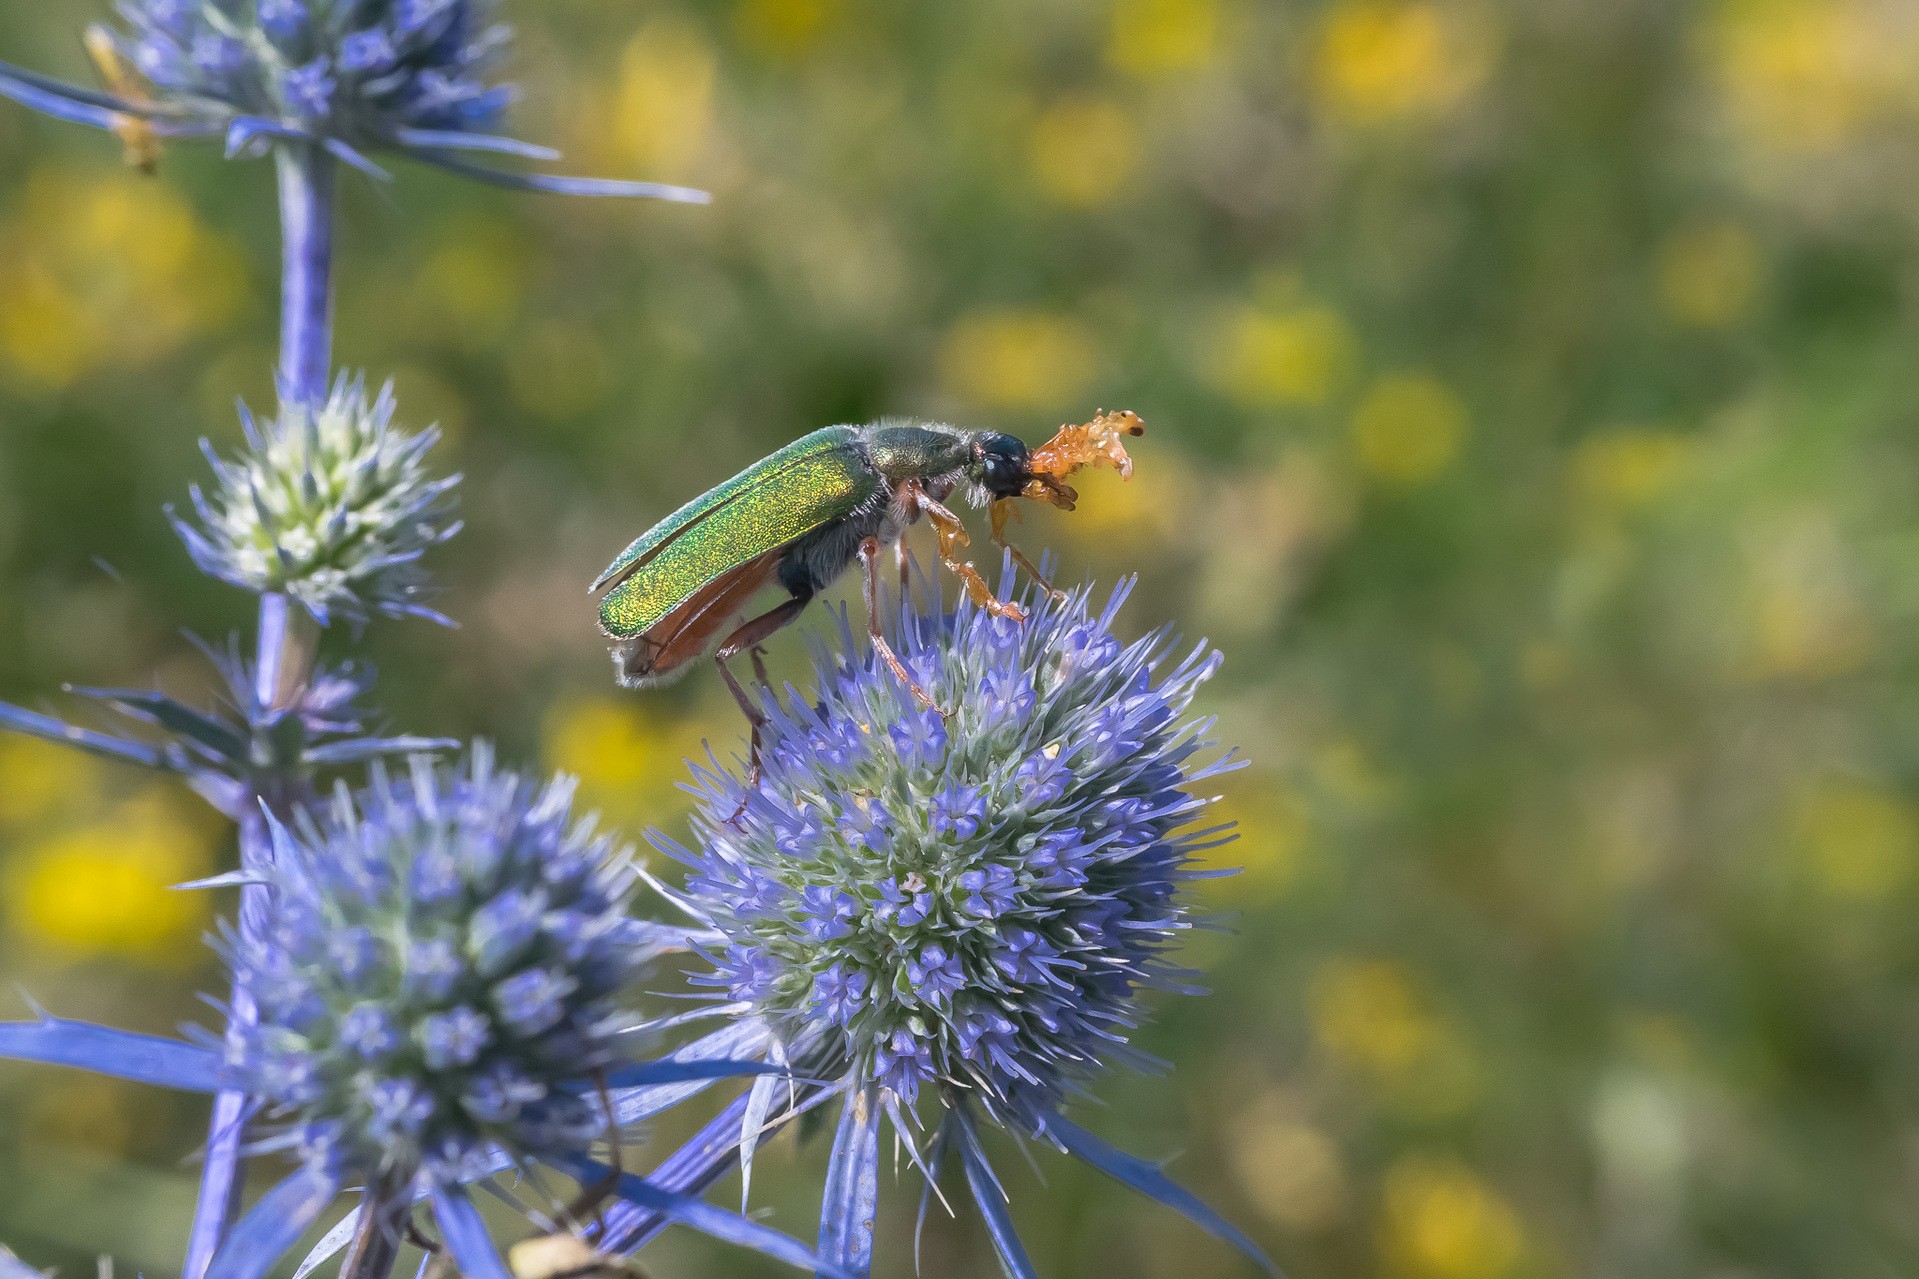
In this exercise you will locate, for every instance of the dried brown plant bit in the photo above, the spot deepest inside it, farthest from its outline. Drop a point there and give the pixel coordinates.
(138, 141)
(1093, 443)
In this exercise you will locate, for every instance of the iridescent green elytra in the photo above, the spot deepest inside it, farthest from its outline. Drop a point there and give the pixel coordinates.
(810, 482)
(799, 518)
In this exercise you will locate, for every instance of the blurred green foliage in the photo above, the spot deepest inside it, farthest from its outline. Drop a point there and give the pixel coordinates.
(1532, 420)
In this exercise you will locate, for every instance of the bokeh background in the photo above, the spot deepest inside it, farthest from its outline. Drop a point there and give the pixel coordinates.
(1532, 399)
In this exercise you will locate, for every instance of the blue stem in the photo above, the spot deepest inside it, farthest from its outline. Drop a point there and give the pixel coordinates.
(306, 273)
(285, 650)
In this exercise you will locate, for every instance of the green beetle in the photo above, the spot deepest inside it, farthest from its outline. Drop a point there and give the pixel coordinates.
(798, 519)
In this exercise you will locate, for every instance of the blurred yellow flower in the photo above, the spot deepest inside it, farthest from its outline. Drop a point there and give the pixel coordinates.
(1709, 274)
(1859, 839)
(45, 335)
(1806, 74)
(1384, 60)
(1116, 519)
(662, 105)
(1407, 429)
(107, 888)
(1294, 357)
(629, 761)
(473, 280)
(1018, 359)
(1439, 1220)
(1807, 618)
(1628, 466)
(1159, 37)
(44, 779)
(783, 28)
(98, 269)
(1273, 829)
(1366, 1013)
(1346, 771)
(1083, 151)
(1291, 1172)
(432, 400)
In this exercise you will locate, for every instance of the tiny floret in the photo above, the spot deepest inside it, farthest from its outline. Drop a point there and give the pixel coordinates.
(404, 1030)
(331, 504)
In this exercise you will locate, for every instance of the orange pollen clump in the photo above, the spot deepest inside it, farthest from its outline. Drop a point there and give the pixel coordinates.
(1092, 443)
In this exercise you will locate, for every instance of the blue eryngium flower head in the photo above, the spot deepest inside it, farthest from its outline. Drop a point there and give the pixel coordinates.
(963, 907)
(438, 970)
(331, 504)
(356, 77)
(972, 900)
(350, 69)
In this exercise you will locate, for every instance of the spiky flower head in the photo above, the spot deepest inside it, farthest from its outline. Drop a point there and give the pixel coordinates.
(965, 904)
(972, 900)
(331, 504)
(355, 78)
(438, 973)
(364, 71)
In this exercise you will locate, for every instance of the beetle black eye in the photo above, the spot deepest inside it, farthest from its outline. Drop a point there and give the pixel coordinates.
(1003, 464)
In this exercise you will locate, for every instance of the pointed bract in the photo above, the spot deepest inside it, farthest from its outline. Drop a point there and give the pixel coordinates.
(144, 1059)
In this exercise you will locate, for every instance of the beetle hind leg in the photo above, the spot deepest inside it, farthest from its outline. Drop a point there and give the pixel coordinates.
(747, 638)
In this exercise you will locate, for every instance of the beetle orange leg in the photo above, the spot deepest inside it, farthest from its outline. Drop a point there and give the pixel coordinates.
(758, 654)
(870, 559)
(953, 536)
(1002, 510)
(748, 636)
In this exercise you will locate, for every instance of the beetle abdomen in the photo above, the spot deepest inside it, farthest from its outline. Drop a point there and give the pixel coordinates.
(816, 561)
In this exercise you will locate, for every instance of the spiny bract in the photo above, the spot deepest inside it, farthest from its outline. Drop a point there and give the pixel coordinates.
(331, 504)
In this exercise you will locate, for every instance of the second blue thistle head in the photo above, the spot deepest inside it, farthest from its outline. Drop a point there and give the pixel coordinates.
(437, 973)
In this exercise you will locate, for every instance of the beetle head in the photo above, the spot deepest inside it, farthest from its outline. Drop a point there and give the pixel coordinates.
(1000, 463)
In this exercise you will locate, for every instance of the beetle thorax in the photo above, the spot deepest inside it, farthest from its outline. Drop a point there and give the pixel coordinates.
(934, 455)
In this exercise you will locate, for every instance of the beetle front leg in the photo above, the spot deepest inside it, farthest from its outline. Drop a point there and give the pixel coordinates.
(1002, 510)
(953, 537)
(870, 560)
